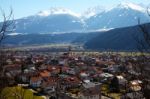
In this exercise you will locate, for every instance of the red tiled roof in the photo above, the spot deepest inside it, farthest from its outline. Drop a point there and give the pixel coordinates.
(45, 73)
(72, 80)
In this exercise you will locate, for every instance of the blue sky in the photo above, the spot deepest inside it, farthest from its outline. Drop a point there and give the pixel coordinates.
(22, 8)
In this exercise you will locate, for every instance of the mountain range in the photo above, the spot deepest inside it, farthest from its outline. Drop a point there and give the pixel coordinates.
(114, 39)
(97, 28)
(61, 20)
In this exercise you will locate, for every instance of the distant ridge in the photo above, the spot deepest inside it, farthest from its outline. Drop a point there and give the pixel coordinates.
(57, 20)
(117, 39)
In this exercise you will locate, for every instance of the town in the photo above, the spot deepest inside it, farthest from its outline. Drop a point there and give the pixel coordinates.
(75, 75)
(75, 49)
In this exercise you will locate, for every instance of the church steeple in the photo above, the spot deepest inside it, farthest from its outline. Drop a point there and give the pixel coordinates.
(69, 51)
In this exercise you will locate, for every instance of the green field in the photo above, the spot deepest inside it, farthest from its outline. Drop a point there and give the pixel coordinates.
(18, 93)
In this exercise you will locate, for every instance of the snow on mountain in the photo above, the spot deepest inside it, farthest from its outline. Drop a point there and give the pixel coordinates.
(122, 15)
(129, 5)
(93, 11)
(14, 34)
(57, 11)
(49, 21)
(60, 25)
(57, 20)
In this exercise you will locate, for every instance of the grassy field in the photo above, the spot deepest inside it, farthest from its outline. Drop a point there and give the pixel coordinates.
(75, 48)
(50, 46)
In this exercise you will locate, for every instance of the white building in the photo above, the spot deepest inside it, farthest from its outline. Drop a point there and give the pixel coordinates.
(91, 90)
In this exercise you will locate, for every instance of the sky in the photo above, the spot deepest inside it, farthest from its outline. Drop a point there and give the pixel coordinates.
(23, 8)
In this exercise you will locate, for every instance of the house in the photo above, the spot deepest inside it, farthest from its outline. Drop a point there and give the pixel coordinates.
(62, 62)
(49, 85)
(45, 74)
(133, 95)
(12, 70)
(90, 90)
(135, 85)
(35, 81)
(54, 69)
(71, 71)
(84, 75)
(122, 80)
(42, 67)
(105, 76)
(64, 69)
(71, 82)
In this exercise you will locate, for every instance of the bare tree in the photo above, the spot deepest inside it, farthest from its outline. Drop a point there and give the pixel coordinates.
(6, 26)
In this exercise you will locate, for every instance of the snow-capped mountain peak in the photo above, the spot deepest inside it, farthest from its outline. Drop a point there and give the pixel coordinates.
(93, 11)
(129, 5)
(53, 11)
(58, 20)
